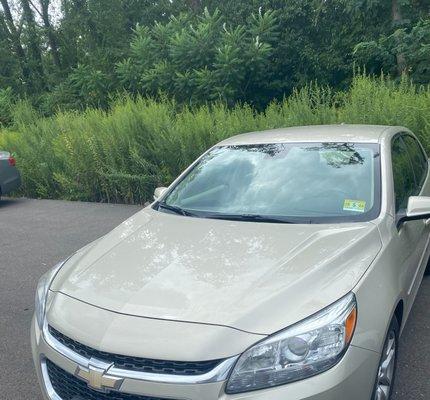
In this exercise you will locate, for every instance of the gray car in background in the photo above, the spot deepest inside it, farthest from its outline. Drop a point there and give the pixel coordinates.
(10, 178)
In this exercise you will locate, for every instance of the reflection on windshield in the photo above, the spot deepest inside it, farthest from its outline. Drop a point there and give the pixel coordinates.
(290, 180)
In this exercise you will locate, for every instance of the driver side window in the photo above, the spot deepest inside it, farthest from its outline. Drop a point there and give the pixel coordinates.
(404, 179)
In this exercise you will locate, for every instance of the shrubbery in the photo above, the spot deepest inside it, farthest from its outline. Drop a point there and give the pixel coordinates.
(6, 102)
(122, 154)
(204, 60)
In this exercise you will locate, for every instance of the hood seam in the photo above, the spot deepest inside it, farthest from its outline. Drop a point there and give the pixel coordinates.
(161, 319)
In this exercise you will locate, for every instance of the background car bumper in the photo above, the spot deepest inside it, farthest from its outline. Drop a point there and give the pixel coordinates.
(11, 184)
(351, 379)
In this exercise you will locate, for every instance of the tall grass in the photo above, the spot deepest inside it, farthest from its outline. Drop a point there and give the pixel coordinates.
(122, 154)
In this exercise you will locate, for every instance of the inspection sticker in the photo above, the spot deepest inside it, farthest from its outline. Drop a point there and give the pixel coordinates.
(354, 205)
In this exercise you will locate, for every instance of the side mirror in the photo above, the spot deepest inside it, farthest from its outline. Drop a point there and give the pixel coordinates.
(159, 192)
(418, 208)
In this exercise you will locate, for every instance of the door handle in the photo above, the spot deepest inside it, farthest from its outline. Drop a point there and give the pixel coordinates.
(427, 222)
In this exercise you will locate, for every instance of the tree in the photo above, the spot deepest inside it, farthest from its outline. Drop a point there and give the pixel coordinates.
(203, 59)
(397, 21)
(35, 53)
(388, 51)
(199, 51)
(15, 38)
(50, 32)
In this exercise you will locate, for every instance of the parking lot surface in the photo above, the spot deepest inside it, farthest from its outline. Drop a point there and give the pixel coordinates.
(36, 234)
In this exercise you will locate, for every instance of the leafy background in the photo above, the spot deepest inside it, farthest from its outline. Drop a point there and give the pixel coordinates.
(104, 99)
(122, 154)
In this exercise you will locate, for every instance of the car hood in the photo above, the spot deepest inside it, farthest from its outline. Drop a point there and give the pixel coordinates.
(255, 277)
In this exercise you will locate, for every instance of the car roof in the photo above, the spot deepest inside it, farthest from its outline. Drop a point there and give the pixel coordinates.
(317, 133)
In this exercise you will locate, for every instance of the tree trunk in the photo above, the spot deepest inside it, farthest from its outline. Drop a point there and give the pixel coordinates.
(53, 44)
(34, 51)
(397, 19)
(16, 41)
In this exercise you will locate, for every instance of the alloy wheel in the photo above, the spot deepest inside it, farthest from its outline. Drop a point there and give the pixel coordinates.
(386, 369)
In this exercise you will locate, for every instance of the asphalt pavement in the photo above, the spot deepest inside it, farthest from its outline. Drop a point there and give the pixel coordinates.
(36, 234)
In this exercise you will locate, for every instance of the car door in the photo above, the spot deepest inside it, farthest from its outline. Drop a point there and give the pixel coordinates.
(420, 165)
(410, 171)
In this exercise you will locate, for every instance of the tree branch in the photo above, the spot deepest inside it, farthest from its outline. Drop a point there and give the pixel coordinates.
(35, 8)
(20, 25)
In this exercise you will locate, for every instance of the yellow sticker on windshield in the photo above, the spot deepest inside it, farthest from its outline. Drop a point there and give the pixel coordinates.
(354, 205)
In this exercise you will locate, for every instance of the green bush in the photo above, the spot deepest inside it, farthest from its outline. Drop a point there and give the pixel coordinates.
(204, 59)
(6, 105)
(122, 154)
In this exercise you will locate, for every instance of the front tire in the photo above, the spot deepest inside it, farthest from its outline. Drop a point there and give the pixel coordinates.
(387, 364)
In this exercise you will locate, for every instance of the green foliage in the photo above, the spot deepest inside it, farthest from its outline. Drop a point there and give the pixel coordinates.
(202, 60)
(23, 114)
(403, 45)
(6, 104)
(122, 154)
(203, 51)
(413, 44)
(84, 87)
(88, 87)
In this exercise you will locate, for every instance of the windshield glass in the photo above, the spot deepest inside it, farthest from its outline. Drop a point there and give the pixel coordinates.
(294, 182)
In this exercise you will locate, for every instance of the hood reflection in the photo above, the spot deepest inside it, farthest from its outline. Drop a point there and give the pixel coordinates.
(165, 266)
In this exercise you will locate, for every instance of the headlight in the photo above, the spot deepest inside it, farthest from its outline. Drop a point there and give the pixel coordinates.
(42, 292)
(303, 350)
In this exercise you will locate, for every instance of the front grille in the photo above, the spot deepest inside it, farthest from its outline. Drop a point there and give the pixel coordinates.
(136, 363)
(68, 387)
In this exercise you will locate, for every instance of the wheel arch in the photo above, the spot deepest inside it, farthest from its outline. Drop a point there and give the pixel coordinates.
(398, 312)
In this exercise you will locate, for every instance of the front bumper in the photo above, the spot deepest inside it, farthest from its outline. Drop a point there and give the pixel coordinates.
(352, 378)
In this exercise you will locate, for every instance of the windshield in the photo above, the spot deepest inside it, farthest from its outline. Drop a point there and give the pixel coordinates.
(289, 182)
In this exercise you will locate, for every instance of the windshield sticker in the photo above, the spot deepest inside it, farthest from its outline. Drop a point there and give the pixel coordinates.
(354, 205)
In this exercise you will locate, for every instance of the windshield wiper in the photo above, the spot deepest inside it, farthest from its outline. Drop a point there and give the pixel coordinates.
(175, 209)
(230, 217)
(251, 218)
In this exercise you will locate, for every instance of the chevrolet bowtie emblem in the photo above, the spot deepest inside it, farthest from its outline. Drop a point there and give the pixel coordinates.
(97, 377)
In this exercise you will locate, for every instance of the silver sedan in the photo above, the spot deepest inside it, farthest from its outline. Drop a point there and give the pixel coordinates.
(281, 265)
(10, 178)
